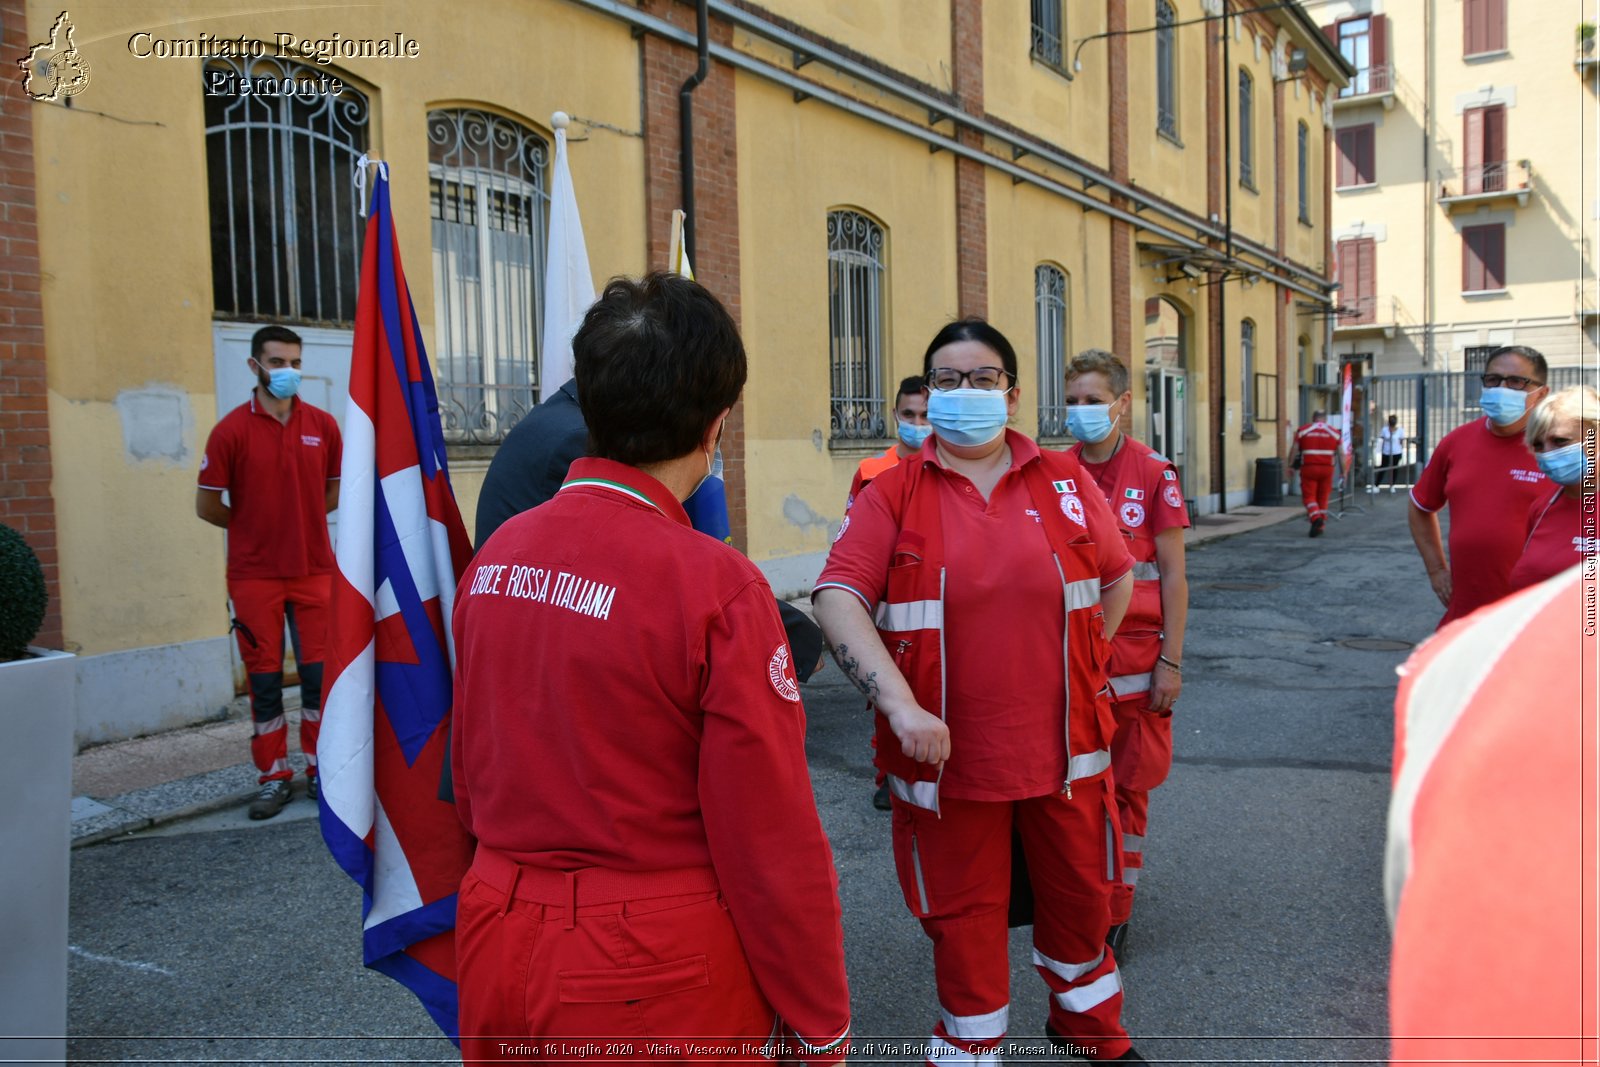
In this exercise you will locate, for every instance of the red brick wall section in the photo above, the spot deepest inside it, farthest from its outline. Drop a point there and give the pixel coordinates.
(972, 238)
(1121, 232)
(666, 65)
(25, 472)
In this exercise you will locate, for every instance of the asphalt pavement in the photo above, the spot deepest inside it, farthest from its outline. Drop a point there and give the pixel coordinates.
(1258, 936)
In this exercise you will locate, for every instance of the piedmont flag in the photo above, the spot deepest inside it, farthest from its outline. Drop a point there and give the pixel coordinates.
(707, 506)
(568, 285)
(386, 714)
(1344, 420)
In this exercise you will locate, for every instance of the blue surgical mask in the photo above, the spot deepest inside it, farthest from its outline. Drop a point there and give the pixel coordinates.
(1090, 423)
(911, 435)
(968, 417)
(283, 382)
(1504, 406)
(1564, 466)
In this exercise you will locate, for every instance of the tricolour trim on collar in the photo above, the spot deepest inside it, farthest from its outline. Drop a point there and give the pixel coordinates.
(615, 487)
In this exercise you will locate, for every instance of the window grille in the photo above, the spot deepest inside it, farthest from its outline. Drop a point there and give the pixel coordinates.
(856, 331)
(489, 204)
(1050, 331)
(1166, 70)
(1247, 128)
(286, 229)
(1247, 362)
(1047, 32)
(1305, 172)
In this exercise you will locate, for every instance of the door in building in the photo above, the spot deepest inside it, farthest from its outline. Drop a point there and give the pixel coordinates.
(1166, 355)
(1164, 388)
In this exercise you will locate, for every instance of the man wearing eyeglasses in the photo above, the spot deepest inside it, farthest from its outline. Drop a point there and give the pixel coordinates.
(1484, 472)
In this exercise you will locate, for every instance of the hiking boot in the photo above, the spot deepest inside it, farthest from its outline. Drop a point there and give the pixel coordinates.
(1316, 527)
(1067, 1047)
(311, 787)
(880, 799)
(273, 796)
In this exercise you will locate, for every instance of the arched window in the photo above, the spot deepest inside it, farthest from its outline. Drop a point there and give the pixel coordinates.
(1166, 70)
(1053, 340)
(285, 225)
(489, 202)
(857, 333)
(1247, 370)
(1247, 128)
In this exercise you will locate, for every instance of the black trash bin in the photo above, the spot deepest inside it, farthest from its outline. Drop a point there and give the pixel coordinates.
(1269, 483)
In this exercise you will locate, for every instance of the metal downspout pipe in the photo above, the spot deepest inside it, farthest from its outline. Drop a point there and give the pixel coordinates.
(686, 125)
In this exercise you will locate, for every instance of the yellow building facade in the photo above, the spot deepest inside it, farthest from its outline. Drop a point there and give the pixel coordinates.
(863, 172)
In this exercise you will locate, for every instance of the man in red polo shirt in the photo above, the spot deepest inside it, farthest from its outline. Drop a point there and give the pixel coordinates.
(1484, 472)
(277, 458)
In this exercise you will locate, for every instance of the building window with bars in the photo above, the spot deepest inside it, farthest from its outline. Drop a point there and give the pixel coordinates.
(1053, 340)
(489, 201)
(1305, 173)
(1166, 70)
(285, 223)
(1048, 30)
(1247, 366)
(857, 282)
(1247, 129)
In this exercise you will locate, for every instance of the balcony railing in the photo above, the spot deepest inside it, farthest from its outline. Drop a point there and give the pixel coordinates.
(1376, 80)
(1369, 313)
(1487, 181)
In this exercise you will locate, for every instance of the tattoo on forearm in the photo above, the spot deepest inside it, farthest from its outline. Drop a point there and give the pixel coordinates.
(851, 667)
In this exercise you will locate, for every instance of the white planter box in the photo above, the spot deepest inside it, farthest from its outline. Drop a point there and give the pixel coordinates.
(37, 712)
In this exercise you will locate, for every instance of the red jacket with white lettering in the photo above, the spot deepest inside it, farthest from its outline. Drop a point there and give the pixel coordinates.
(1141, 487)
(624, 700)
(1319, 443)
(911, 619)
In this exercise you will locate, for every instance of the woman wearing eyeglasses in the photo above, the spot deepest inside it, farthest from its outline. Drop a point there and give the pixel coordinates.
(970, 595)
(1562, 433)
(1485, 474)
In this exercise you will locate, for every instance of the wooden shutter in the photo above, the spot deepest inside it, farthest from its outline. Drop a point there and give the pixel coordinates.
(1356, 164)
(1346, 171)
(1483, 257)
(1367, 275)
(1472, 148)
(1358, 276)
(1378, 79)
(1485, 26)
(1366, 164)
(1494, 148)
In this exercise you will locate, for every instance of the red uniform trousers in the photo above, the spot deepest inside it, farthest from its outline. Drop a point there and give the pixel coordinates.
(1316, 483)
(954, 868)
(634, 962)
(1141, 757)
(260, 607)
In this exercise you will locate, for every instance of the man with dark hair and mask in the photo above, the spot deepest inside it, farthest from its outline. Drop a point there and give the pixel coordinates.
(277, 458)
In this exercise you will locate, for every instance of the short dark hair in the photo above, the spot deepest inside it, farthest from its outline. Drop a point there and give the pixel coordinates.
(973, 329)
(656, 361)
(258, 341)
(1541, 369)
(912, 386)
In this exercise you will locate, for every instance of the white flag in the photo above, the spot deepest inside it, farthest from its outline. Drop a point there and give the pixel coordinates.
(568, 285)
(677, 251)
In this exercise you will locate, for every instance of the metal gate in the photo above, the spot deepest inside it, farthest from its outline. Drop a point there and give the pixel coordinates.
(1428, 406)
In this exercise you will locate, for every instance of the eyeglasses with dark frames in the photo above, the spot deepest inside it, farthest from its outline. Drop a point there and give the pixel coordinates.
(945, 379)
(1510, 381)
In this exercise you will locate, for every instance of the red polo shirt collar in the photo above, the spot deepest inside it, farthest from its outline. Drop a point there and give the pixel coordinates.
(1024, 449)
(630, 483)
(257, 409)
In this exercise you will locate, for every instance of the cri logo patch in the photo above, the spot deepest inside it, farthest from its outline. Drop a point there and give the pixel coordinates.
(781, 677)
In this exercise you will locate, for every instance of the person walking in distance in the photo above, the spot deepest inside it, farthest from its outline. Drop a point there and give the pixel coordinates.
(1146, 669)
(277, 458)
(1391, 448)
(1488, 477)
(1314, 454)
